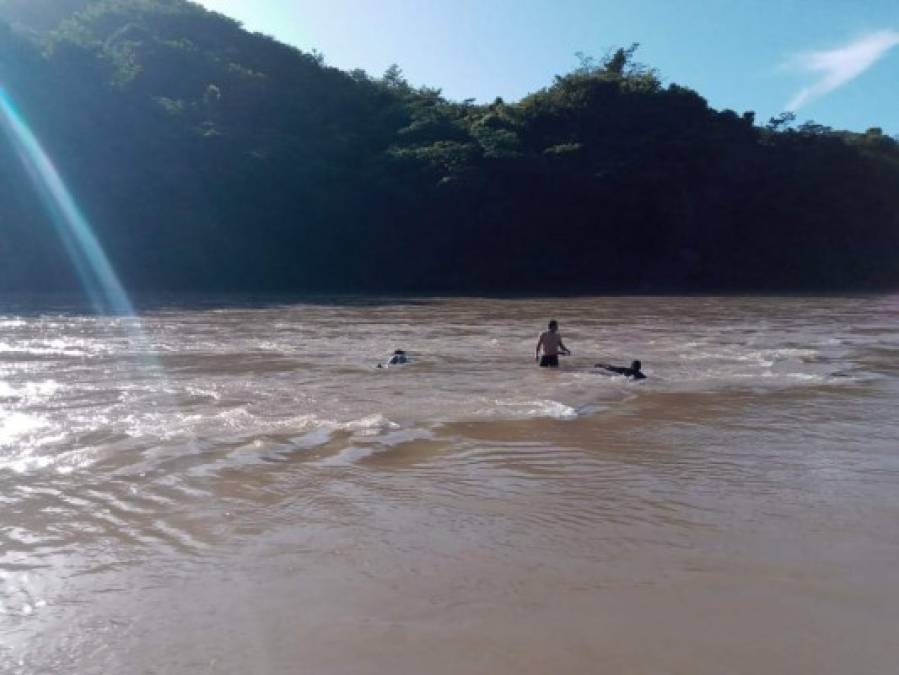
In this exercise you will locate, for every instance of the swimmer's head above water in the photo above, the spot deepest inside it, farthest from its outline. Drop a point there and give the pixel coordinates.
(398, 358)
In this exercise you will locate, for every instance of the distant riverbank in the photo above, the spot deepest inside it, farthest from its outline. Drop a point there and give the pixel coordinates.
(206, 158)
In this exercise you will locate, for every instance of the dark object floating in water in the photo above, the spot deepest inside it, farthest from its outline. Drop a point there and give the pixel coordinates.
(634, 372)
(397, 359)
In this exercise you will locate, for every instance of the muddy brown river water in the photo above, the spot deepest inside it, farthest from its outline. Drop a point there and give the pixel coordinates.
(229, 486)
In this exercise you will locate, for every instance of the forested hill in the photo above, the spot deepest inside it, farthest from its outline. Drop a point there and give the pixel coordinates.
(209, 158)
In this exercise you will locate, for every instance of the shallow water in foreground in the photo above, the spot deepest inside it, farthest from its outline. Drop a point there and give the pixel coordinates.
(233, 488)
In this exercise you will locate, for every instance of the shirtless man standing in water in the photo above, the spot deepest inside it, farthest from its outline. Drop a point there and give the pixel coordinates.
(550, 342)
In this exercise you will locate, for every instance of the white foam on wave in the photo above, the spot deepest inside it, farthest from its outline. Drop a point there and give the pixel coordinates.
(261, 438)
(538, 408)
(202, 392)
(239, 421)
(376, 445)
(369, 426)
(760, 358)
(54, 347)
(765, 358)
(372, 434)
(766, 377)
(807, 377)
(303, 431)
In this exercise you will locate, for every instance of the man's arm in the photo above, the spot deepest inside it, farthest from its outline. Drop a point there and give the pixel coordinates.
(563, 348)
(539, 347)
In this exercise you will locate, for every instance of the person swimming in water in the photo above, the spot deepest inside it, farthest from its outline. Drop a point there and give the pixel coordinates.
(551, 345)
(634, 372)
(398, 358)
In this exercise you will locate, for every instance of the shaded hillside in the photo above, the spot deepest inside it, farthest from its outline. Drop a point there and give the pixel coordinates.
(209, 158)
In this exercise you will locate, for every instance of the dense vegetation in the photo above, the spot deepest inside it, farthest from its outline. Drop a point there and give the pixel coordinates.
(209, 158)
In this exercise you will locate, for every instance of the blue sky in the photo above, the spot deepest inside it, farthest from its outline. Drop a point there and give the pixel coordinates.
(836, 60)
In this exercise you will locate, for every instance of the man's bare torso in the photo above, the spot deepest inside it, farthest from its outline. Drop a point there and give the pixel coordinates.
(551, 341)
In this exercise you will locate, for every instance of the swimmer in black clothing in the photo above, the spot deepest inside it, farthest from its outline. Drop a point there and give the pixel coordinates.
(634, 372)
(399, 357)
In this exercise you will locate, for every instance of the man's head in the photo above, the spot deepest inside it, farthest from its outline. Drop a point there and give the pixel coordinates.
(554, 325)
(636, 366)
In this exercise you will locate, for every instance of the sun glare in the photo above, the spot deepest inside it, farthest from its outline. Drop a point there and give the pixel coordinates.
(95, 271)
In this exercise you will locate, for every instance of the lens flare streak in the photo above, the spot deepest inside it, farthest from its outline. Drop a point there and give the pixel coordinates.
(94, 268)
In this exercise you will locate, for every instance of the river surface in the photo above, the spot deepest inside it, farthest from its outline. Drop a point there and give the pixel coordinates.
(231, 486)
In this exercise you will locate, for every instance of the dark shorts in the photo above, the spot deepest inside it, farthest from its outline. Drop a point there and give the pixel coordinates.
(549, 361)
